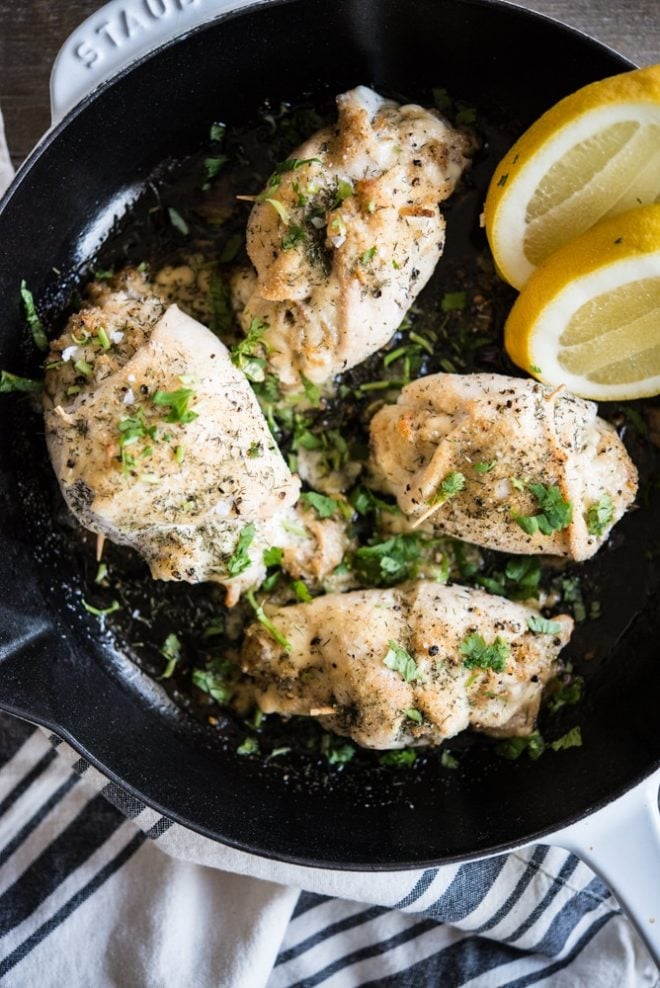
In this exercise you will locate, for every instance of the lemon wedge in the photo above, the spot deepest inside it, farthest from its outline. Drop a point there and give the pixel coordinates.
(594, 154)
(589, 317)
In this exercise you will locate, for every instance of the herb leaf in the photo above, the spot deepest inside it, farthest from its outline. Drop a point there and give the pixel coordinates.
(399, 757)
(401, 661)
(177, 402)
(479, 655)
(572, 739)
(452, 485)
(324, 506)
(542, 626)
(263, 619)
(218, 680)
(170, 650)
(12, 382)
(34, 322)
(555, 514)
(599, 515)
(240, 560)
(512, 748)
(243, 354)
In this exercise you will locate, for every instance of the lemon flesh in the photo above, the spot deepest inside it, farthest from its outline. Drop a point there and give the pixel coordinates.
(593, 155)
(589, 316)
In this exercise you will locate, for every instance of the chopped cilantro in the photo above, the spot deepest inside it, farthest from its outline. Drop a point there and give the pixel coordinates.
(368, 255)
(555, 514)
(560, 693)
(171, 651)
(542, 626)
(364, 501)
(414, 715)
(387, 563)
(33, 320)
(312, 391)
(249, 747)
(240, 560)
(572, 739)
(571, 591)
(336, 752)
(399, 660)
(479, 655)
(177, 221)
(447, 760)
(452, 301)
(212, 168)
(12, 382)
(132, 428)
(273, 556)
(301, 591)
(177, 402)
(294, 236)
(218, 679)
(344, 190)
(101, 611)
(243, 354)
(262, 618)
(399, 758)
(217, 131)
(485, 466)
(452, 485)
(599, 515)
(512, 748)
(323, 505)
(254, 450)
(219, 297)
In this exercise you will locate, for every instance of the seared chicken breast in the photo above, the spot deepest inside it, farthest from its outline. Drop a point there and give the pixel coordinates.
(413, 665)
(158, 443)
(504, 463)
(346, 234)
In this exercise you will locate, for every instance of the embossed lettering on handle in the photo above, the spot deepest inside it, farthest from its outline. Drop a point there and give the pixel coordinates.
(118, 34)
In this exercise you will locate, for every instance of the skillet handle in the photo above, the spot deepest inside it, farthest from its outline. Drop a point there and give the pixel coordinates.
(119, 33)
(621, 843)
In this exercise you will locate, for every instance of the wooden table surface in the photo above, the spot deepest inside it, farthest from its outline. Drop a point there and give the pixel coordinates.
(31, 32)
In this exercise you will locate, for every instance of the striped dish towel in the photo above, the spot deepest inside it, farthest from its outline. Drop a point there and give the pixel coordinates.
(99, 891)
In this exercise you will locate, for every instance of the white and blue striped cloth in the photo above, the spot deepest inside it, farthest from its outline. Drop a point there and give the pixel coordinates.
(99, 891)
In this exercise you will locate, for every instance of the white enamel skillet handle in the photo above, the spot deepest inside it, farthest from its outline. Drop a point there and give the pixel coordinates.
(620, 842)
(116, 35)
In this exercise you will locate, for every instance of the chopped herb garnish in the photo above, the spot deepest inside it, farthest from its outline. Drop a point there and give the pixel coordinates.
(512, 748)
(336, 752)
(572, 594)
(249, 747)
(452, 301)
(399, 758)
(572, 739)
(280, 209)
(217, 131)
(243, 354)
(254, 450)
(103, 339)
(452, 485)
(388, 563)
(294, 236)
(261, 617)
(466, 115)
(542, 626)
(485, 466)
(177, 221)
(219, 297)
(34, 322)
(171, 651)
(240, 560)
(101, 573)
(177, 402)
(12, 382)
(555, 514)
(399, 660)
(132, 429)
(560, 693)
(324, 506)
(447, 760)
(273, 556)
(102, 611)
(231, 249)
(301, 591)
(218, 680)
(344, 190)
(599, 515)
(414, 715)
(212, 168)
(312, 391)
(83, 368)
(179, 454)
(368, 255)
(479, 655)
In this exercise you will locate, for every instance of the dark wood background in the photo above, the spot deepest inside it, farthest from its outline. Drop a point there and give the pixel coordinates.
(31, 32)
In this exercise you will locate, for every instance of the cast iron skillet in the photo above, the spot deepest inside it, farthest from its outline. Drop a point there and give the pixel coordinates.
(58, 667)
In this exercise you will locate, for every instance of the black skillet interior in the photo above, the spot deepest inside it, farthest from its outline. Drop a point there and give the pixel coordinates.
(59, 667)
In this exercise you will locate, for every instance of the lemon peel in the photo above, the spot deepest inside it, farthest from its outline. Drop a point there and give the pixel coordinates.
(589, 317)
(594, 154)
